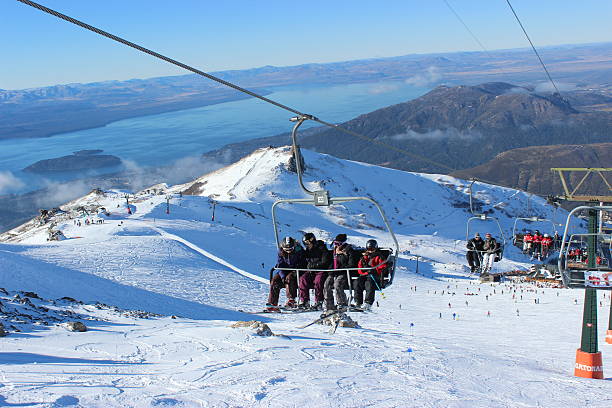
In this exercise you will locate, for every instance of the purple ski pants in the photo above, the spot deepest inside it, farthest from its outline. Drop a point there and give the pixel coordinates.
(312, 280)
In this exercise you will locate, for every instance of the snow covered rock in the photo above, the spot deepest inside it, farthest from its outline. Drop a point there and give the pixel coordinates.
(75, 326)
(3, 332)
(342, 319)
(261, 329)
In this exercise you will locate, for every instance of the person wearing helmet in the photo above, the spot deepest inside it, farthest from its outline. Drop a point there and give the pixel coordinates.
(369, 279)
(343, 256)
(290, 255)
(537, 244)
(318, 257)
(474, 252)
(491, 248)
(547, 242)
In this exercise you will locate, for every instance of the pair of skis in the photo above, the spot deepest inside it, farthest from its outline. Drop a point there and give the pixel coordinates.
(321, 318)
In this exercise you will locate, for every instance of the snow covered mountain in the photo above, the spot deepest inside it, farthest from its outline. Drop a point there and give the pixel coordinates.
(438, 338)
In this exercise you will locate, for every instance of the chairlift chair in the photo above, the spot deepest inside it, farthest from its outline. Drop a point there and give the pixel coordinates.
(322, 198)
(484, 217)
(518, 242)
(531, 219)
(576, 273)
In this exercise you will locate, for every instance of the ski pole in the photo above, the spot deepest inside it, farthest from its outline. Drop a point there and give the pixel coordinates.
(378, 287)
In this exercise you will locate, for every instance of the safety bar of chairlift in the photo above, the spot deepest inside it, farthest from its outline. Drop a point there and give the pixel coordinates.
(335, 201)
(348, 273)
(562, 270)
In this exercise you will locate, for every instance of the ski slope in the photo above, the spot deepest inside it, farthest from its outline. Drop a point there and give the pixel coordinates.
(437, 338)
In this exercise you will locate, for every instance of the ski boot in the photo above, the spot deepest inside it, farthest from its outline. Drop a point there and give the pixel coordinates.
(270, 308)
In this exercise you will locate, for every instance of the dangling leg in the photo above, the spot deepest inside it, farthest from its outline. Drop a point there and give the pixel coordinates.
(328, 290)
(340, 284)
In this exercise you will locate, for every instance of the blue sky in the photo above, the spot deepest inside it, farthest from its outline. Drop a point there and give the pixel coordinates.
(39, 50)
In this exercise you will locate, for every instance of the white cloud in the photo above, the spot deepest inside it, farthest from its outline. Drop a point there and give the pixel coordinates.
(437, 134)
(58, 193)
(429, 77)
(382, 88)
(9, 183)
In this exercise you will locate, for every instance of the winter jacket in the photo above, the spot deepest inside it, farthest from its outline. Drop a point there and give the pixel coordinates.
(528, 238)
(318, 257)
(547, 241)
(490, 245)
(537, 238)
(372, 259)
(346, 259)
(293, 259)
(475, 244)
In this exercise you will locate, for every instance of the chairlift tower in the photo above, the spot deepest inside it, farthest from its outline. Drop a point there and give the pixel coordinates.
(588, 357)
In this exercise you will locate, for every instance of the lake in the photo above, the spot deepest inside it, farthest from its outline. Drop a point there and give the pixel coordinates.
(161, 139)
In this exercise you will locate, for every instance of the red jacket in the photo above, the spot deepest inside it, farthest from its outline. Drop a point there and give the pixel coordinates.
(528, 238)
(547, 241)
(537, 238)
(372, 259)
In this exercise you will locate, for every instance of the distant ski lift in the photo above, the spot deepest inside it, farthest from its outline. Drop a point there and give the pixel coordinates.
(573, 259)
(323, 198)
(516, 239)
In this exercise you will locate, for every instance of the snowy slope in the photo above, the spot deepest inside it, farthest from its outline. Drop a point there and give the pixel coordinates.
(203, 271)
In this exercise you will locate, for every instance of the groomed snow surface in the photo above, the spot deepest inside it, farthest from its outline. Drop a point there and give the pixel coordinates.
(437, 338)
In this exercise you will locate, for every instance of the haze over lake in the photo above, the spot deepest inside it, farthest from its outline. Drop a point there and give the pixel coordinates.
(158, 140)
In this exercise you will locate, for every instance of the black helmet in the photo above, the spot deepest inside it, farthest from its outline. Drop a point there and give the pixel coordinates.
(309, 236)
(288, 243)
(371, 244)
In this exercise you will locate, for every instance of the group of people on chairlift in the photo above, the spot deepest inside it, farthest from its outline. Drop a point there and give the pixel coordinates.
(324, 270)
(538, 245)
(482, 253)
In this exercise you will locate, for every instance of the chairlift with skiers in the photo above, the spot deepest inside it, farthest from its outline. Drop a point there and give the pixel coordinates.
(322, 198)
(484, 218)
(577, 270)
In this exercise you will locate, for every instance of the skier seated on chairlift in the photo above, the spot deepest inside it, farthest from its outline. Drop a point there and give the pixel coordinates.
(369, 279)
(474, 253)
(343, 256)
(491, 253)
(547, 243)
(317, 257)
(527, 242)
(557, 240)
(537, 244)
(575, 254)
(290, 255)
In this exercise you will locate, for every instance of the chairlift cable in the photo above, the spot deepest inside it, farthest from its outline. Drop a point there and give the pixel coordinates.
(238, 88)
(468, 29)
(533, 47)
(226, 83)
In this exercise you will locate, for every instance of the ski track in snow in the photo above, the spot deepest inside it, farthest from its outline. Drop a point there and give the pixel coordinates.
(404, 354)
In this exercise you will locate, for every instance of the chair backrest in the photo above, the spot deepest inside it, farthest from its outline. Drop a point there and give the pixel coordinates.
(386, 278)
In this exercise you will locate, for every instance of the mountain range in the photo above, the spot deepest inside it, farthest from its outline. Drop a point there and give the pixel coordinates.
(43, 112)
